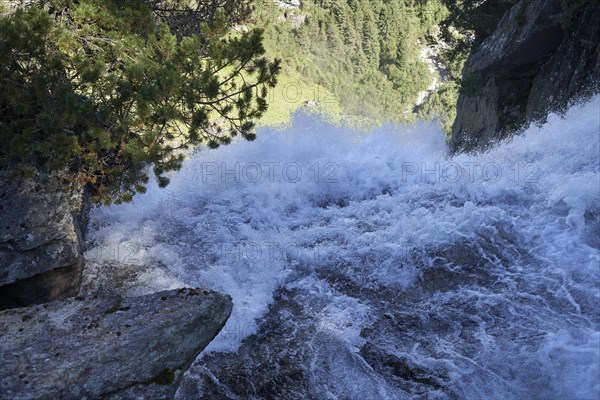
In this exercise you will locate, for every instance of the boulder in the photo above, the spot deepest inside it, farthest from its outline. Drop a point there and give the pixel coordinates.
(88, 348)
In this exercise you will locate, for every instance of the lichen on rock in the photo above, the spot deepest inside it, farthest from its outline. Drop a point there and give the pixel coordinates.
(92, 347)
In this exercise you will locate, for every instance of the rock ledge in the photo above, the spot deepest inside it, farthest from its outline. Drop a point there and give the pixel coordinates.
(79, 348)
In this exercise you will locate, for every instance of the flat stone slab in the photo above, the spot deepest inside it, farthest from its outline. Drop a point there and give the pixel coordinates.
(84, 348)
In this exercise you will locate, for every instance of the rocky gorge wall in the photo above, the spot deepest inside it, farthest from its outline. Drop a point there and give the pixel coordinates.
(534, 63)
(41, 238)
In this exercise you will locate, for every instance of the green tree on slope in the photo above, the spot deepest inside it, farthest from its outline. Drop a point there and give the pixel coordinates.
(105, 88)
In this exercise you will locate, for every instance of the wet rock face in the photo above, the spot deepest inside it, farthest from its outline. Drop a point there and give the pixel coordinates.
(528, 67)
(75, 348)
(40, 239)
(573, 72)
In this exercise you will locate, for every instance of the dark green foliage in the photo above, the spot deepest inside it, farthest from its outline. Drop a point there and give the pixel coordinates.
(477, 16)
(106, 88)
(571, 9)
(183, 15)
(467, 24)
(166, 377)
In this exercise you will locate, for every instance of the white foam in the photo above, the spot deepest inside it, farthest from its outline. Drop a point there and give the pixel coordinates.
(243, 218)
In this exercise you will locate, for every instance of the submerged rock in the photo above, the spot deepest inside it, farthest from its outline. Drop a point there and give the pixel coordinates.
(79, 348)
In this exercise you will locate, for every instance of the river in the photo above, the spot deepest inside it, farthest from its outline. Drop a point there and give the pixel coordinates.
(376, 266)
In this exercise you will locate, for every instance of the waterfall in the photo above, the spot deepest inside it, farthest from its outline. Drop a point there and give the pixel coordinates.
(373, 265)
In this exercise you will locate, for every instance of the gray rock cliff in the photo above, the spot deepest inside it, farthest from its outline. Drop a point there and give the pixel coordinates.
(531, 65)
(41, 239)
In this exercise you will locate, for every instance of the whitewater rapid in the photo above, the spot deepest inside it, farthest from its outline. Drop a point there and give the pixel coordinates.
(376, 264)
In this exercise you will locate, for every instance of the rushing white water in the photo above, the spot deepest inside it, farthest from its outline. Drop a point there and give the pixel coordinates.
(497, 255)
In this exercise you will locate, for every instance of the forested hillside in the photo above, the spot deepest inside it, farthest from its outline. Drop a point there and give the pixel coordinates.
(355, 57)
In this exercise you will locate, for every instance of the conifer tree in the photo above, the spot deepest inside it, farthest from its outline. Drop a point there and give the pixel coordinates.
(106, 88)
